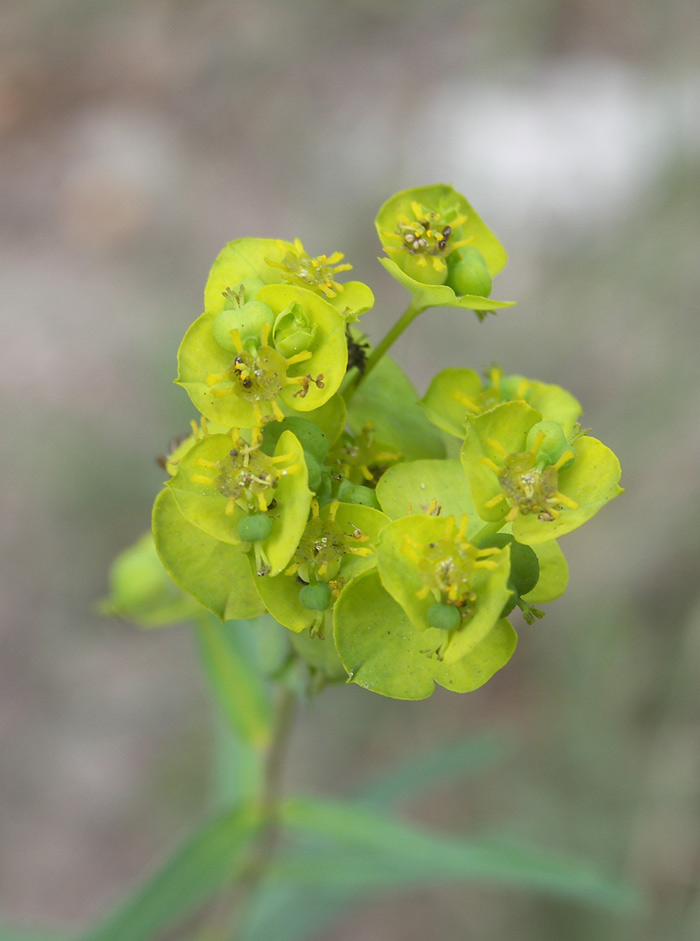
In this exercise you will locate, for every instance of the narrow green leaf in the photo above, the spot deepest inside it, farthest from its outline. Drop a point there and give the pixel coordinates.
(207, 862)
(416, 857)
(235, 679)
(294, 913)
(433, 768)
(20, 934)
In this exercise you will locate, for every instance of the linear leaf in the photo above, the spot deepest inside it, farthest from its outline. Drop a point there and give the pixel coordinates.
(418, 857)
(204, 864)
(433, 768)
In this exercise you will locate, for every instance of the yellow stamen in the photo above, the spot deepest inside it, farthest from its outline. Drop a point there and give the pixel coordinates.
(494, 501)
(465, 400)
(299, 357)
(490, 464)
(497, 446)
(199, 479)
(236, 340)
(230, 506)
(215, 377)
(566, 456)
(281, 458)
(360, 550)
(567, 501)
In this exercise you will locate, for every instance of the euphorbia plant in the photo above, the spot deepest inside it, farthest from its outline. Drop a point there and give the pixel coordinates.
(390, 538)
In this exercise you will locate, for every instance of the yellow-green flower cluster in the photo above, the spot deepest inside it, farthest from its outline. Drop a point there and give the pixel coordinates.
(318, 489)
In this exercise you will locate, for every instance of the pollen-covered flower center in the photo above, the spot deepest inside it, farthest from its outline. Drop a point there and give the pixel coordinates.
(324, 544)
(258, 374)
(298, 267)
(529, 480)
(246, 476)
(447, 566)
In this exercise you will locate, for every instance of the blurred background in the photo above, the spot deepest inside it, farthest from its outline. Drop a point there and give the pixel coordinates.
(136, 139)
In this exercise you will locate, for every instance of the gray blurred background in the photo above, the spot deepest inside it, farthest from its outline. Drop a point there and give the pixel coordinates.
(137, 138)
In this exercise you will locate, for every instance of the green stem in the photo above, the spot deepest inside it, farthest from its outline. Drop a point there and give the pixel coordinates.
(490, 529)
(404, 321)
(227, 919)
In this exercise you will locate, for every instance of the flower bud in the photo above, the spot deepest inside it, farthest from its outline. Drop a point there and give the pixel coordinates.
(293, 332)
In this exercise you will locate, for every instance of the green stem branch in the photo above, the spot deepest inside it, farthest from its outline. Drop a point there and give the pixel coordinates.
(404, 321)
(228, 919)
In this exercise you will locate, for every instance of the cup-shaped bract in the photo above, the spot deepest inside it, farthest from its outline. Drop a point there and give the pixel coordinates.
(224, 481)
(454, 395)
(275, 261)
(336, 546)
(216, 574)
(382, 651)
(542, 499)
(430, 568)
(422, 230)
(141, 591)
(247, 387)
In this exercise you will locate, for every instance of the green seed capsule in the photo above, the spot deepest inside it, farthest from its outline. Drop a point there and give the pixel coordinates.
(248, 320)
(552, 445)
(356, 493)
(468, 273)
(524, 566)
(316, 597)
(444, 616)
(255, 528)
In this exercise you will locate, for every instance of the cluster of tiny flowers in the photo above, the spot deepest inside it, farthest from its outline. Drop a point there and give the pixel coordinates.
(315, 485)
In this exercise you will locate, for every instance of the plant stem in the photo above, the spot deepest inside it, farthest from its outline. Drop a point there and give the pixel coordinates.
(490, 529)
(232, 907)
(404, 321)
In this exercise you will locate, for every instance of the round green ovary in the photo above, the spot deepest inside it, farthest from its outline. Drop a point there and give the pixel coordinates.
(316, 597)
(444, 616)
(254, 528)
(468, 273)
